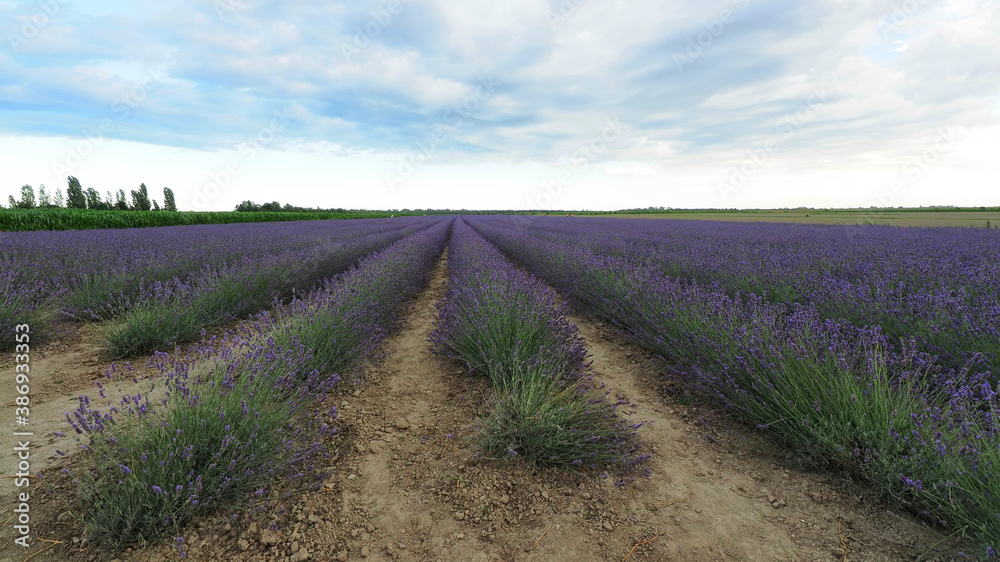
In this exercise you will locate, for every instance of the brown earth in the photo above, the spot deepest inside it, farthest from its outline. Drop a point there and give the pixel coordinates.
(60, 372)
(406, 482)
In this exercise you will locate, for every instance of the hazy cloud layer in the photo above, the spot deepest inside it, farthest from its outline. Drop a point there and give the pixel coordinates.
(697, 85)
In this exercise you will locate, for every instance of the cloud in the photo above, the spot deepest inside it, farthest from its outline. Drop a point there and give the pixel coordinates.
(377, 77)
(632, 170)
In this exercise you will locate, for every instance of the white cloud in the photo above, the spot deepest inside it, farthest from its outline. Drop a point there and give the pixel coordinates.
(886, 91)
(630, 170)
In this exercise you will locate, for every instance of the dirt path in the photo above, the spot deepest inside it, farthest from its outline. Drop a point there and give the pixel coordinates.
(60, 372)
(690, 499)
(403, 423)
(718, 492)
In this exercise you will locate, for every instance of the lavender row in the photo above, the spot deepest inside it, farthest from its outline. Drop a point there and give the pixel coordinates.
(180, 311)
(23, 299)
(498, 319)
(99, 267)
(99, 274)
(915, 429)
(939, 286)
(321, 253)
(214, 429)
(508, 326)
(348, 315)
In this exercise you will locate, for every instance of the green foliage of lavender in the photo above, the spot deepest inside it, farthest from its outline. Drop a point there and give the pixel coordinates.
(344, 319)
(203, 437)
(507, 321)
(506, 325)
(158, 325)
(26, 296)
(23, 300)
(559, 425)
(217, 442)
(938, 286)
(923, 433)
(103, 274)
(216, 427)
(180, 312)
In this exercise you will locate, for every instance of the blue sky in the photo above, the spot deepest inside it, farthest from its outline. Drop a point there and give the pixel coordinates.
(520, 104)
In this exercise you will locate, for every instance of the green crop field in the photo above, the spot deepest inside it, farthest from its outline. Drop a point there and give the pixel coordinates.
(12, 220)
(880, 216)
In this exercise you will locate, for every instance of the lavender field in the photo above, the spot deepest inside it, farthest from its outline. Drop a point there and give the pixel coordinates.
(873, 347)
(165, 285)
(869, 351)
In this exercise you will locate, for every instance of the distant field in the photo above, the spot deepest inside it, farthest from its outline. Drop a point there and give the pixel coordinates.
(895, 218)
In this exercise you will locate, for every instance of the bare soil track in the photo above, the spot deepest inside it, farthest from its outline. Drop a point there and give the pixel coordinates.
(406, 482)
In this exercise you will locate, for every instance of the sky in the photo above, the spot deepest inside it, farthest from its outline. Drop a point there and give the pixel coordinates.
(521, 104)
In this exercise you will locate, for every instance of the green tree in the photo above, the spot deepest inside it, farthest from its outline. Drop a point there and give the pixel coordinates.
(60, 200)
(248, 207)
(27, 197)
(93, 199)
(43, 197)
(11, 201)
(75, 199)
(156, 206)
(169, 204)
(140, 199)
(121, 203)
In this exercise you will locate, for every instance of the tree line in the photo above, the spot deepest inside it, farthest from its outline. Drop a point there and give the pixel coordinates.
(275, 207)
(77, 197)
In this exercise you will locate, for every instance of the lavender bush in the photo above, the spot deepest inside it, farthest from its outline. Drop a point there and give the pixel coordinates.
(110, 271)
(209, 433)
(104, 274)
(98, 274)
(505, 324)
